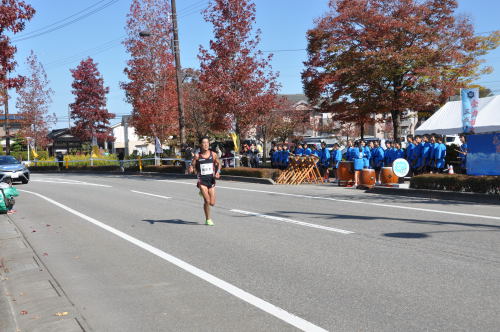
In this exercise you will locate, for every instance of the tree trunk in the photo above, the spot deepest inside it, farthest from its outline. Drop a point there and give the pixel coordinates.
(264, 151)
(236, 155)
(362, 130)
(396, 124)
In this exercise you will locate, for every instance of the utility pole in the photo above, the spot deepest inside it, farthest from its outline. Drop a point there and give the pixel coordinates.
(178, 74)
(6, 122)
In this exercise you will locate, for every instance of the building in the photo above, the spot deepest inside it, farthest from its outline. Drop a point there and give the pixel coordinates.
(15, 121)
(126, 137)
(62, 140)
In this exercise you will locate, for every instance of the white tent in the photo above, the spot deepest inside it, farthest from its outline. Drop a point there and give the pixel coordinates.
(448, 119)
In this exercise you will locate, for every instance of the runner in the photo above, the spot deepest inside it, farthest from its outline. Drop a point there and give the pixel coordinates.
(207, 166)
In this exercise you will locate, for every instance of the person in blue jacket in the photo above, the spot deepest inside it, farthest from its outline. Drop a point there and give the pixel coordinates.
(462, 153)
(378, 159)
(398, 151)
(426, 149)
(388, 154)
(410, 151)
(336, 156)
(432, 153)
(366, 154)
(440, 155)
(315, 150)
(276, 157)
(324, 161)
(371, 146)
(285, 155)
(358, 155)
(348, 151)
(307, 150)
(299, 151)
(417, 155)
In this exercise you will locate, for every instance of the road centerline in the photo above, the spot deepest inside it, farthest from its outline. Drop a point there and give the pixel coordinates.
(148, 194)
(291, 221)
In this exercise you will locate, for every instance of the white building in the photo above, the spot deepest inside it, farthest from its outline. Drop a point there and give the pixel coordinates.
(135, 143)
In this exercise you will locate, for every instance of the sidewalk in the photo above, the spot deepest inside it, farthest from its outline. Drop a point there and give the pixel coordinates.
(30, 298)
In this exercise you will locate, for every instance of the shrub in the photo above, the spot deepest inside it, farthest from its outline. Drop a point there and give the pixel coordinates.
(43, 168)
(163, 169)
(263, 173)
(457, 182)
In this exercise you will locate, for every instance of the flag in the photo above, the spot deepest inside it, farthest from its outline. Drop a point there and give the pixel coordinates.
(470, 109)
(236, 142)
(158, 148)
(31, 142)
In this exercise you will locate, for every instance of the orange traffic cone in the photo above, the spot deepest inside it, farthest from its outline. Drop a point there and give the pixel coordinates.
(450, 170)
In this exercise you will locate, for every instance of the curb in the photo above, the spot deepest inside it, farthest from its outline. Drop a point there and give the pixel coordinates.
(31, 299)
(437, 194)
(167, 175)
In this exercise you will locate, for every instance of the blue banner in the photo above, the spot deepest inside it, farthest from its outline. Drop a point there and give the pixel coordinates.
(470, 109)
(483, 157)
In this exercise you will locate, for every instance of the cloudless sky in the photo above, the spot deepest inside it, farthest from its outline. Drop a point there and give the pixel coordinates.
(283, 23)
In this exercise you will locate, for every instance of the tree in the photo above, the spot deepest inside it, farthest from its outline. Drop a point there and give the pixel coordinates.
(197, 120)
(151, 89)
(236, 79)
(33, 102)
(13, 16)
(89, 109)
(392, 55)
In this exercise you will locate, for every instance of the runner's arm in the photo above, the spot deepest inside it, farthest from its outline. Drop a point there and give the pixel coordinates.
(217, 166)
(192, 167)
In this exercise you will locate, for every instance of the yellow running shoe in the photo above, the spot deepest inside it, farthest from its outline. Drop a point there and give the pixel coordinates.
(209, 222)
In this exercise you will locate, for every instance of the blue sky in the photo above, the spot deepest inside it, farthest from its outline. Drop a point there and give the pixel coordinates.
(283, 23)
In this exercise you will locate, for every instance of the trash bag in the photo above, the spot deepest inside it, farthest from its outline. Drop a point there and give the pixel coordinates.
(7, 200)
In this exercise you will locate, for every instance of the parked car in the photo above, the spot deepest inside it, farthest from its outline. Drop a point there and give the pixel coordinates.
(452, 139)
(13, 168)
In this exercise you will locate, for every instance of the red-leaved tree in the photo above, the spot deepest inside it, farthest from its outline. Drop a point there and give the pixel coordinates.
(91, 118)
(13, 16)
(392, 56)
(236, 78)
(33, 101)
(151, 89)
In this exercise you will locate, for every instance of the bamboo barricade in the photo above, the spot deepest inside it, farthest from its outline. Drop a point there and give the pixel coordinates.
(301, 170)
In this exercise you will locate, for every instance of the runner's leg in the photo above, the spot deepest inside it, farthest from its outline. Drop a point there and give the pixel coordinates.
(206, 200)
(211, 193)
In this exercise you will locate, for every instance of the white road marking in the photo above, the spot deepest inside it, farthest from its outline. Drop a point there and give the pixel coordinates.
(350, 201)
(72, 182)
(142, 193)
(259, 303)
(291, 221)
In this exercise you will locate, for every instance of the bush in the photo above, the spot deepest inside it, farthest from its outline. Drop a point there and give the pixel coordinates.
(457, 182)
(43, 168)
(164, 169)
(23, 155)
(263, 173)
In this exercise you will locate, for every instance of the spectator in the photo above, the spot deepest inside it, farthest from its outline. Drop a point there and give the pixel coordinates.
(336, 158)
(440, 155)
(121, 156)
(60, 159)
(299, 151)
(324, 161)
(463, 153)
(307, 150)
(271, 152)
(378, 159)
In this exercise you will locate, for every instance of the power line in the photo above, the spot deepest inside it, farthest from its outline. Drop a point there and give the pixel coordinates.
(60, 26)
(60, 21)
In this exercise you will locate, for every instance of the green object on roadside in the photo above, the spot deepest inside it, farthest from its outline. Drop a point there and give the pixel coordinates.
(7, 198)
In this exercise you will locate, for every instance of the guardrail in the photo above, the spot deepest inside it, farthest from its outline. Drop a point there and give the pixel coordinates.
(124, 163)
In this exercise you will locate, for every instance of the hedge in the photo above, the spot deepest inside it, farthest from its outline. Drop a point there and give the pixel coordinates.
(263, 173)
(457, 182)
(163, 169)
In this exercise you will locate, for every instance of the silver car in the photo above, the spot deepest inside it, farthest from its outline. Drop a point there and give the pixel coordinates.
(10, 167)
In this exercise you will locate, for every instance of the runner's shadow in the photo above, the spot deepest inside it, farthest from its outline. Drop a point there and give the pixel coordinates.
(171, 221)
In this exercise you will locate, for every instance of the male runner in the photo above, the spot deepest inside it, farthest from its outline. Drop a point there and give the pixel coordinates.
(207, 166)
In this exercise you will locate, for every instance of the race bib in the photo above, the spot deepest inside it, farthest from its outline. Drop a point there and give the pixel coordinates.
(207, 169)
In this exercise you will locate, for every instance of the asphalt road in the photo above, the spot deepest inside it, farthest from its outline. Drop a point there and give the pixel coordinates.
(278, 258)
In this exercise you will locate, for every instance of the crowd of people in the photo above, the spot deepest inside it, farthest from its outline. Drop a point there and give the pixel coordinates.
(425, 154)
